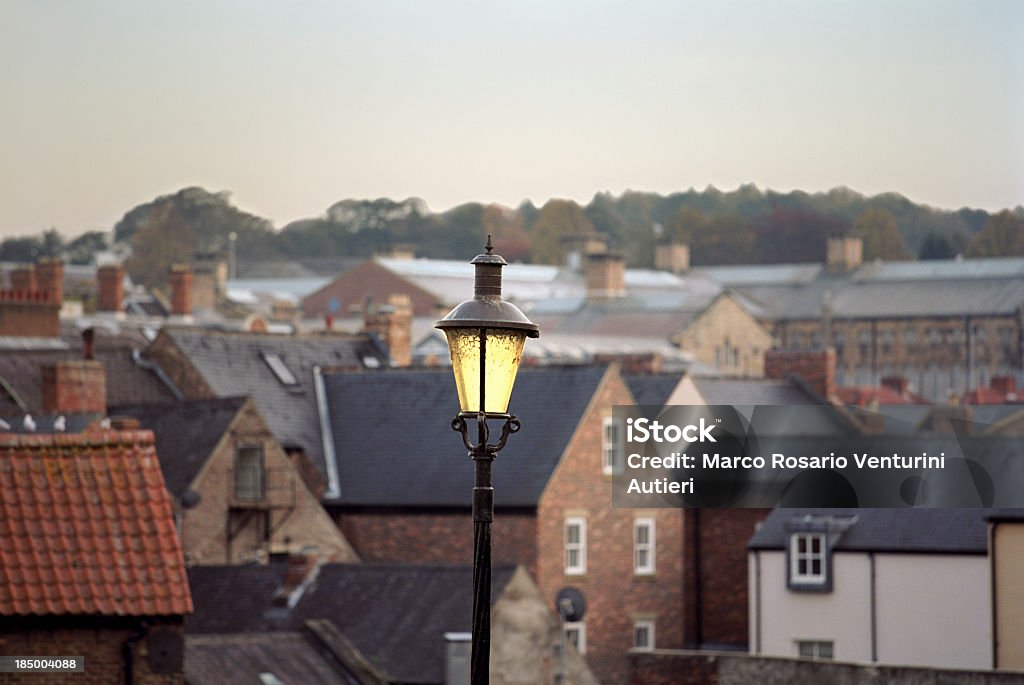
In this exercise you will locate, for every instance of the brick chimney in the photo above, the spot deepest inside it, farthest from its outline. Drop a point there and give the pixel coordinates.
(300, 572)
(844, 253)
(606, 275)
(181, 290)
(23, 278)
(672, 257)
(815, 368)
(50, 278)
(110, 281)
(392, 323)
(75, 385)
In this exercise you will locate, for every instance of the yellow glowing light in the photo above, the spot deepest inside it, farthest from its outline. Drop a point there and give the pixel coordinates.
(504, 349)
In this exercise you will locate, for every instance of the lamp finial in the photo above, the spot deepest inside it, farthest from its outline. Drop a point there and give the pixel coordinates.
(488, 246)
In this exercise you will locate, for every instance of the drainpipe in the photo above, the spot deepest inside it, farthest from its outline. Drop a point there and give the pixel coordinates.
(757, 602)
(874, 615)
(128, 652)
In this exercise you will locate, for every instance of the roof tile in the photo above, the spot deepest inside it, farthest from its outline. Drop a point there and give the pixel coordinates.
(87, 528)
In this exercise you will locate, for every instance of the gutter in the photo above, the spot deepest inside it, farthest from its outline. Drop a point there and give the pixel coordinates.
(158, 372)
(330, 461)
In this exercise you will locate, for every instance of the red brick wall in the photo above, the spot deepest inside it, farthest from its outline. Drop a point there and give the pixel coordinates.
(817, 368)
(99, 640)
(29, 314)
(181, 290)
(110, 279)
(430, 537)
(369, 279)
(716, 547)
(75, 385)
(615, 596)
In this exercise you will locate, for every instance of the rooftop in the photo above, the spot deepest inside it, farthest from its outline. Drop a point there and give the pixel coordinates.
(86, 528)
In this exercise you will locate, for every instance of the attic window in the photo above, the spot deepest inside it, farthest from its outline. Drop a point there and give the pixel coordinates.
(809, 562)
(280, 369)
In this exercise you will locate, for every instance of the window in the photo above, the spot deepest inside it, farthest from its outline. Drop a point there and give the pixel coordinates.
(279, 368)
(643, 635)
(814, 649)
(807, 559)
(643, 546)
(611, 446)
(575, 545)
(249, 473)
(576, 635)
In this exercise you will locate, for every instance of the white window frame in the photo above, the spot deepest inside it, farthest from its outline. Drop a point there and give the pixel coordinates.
(807, 557)
(815, 649)
(580, 547)
(580, 628)
(648, 625)
(639, 548)
(611, 446)
(250, 480)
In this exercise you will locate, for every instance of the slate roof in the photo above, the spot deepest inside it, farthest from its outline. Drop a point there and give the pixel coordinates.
(86, 528)
(934, 531)
(186, 433)
(651, 389)
(127, 381)
(951, 287)
(394, 445)
(752, 391)
(232, 364)
(396, 615)
(289, 656)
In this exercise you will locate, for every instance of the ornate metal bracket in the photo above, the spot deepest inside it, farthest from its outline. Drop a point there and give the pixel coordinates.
(481, 448)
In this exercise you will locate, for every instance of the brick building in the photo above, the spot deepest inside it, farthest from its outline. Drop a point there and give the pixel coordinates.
(946, 326)
(651, 578)
(91, 562)
(30, 304)
(237, 495)
(282, 374)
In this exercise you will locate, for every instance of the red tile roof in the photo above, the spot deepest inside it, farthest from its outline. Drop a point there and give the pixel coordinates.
(86, 527)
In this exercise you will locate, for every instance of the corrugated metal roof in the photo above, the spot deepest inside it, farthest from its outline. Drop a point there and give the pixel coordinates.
(941, 270)
(761, 274)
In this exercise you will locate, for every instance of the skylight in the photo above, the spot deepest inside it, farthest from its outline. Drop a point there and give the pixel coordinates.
(280, 369)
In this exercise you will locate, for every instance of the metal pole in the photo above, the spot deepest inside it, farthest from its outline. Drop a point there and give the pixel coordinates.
(483, 514)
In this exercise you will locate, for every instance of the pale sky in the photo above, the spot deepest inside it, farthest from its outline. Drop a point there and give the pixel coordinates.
(292, 106)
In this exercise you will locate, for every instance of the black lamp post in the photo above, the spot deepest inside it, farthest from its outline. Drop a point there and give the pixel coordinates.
(486, 337)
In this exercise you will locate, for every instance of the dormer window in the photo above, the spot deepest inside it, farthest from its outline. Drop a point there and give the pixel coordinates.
(807, 558)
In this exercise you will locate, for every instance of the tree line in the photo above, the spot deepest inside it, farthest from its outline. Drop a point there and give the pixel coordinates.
(745, 226)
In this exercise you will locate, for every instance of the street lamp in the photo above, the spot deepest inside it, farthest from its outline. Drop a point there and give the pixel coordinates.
(486, 337)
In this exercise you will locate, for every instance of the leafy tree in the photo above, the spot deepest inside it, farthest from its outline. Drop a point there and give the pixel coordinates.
(795, 235)
(558, 219)
(81, 249)
(1002, 236)
(936, 246)
(882, 240)
(21, 249)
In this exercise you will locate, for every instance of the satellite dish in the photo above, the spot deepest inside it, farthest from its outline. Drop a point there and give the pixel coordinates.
(570, 604)
(190, 499)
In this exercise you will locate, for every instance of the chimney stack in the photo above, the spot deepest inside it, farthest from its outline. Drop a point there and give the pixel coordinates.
(75, 385)
(181, 290)
(110, 280)
(50, 278)
(392, 323)
(844, 253)
(672, 257)
(606, 275)
(23, 278)
(89, 343)
(815, 368)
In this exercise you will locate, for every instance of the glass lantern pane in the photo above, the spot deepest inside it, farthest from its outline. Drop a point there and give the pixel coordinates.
(504, 350)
